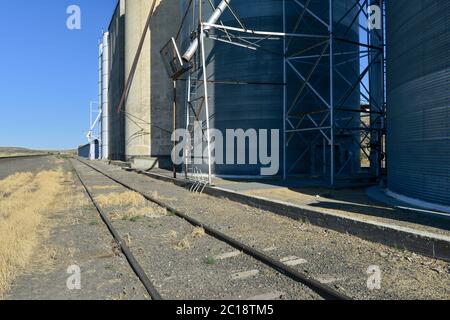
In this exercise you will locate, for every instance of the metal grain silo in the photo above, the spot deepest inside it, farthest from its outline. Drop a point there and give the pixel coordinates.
(418, 46)
(258, 104)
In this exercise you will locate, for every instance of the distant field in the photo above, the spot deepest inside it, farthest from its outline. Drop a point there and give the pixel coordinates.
(17, 152)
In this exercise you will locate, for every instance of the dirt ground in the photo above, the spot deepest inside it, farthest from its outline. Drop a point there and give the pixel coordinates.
(71, 234)
(338, 259)
(185, 263)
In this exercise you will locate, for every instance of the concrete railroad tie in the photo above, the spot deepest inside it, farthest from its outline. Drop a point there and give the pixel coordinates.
(293, 261)
(268, 296)
(244, 275)
(228, 255)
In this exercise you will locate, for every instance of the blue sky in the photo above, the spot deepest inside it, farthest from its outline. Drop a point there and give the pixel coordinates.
(48, 74)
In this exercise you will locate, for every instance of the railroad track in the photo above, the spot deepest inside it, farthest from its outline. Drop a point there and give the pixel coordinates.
(323, 290)
(26, 156)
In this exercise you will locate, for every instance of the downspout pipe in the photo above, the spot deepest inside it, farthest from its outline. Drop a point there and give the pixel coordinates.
(104, 94)
(93, 155)
(212, 20)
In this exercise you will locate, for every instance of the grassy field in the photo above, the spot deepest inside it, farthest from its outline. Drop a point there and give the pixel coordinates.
(17, 152)
(25, 200)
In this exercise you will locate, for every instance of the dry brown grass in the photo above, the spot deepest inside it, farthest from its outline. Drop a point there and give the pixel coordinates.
(188, 241)
(13, 182)
(123, 199)
(7, 155)
(129, 206)
(198, 232)
(155, 195)
(23, 208)
(184, 244)
(148, 212)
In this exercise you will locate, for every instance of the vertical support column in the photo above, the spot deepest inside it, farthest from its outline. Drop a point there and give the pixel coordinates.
(105, 98)
(376, 85)
(100, 98)
(205, 86)
(188, 139)
(285, 50)
(174, 123)
(384, 119)
(331, 29)
(90, 137)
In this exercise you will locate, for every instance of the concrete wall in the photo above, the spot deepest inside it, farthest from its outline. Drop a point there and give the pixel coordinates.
(137, 107)
(148, 121)
(165, 24)
(117, 82)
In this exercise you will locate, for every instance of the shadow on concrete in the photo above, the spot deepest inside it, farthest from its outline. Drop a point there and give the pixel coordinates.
(377, 210)
(164, 25)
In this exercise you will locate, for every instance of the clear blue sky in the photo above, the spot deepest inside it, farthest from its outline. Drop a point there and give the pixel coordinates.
(48, 74)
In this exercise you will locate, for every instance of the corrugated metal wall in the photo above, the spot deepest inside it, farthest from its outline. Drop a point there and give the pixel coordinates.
(260, 106)
(418, 47)
(85, 150)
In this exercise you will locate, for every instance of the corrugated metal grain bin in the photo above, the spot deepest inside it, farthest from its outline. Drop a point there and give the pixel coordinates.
(85, 150)
(259, 105)
(418, 51)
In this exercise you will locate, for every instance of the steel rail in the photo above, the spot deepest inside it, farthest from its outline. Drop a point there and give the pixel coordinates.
(26, 156)
(323, 290)
(137, 268)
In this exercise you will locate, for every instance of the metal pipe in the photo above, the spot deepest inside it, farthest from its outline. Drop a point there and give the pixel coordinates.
(332, 104)
(100, 92)
(205, 86)
(376, 95)
(285, 51)
(104, 95)
(212, 20)
(174, 122)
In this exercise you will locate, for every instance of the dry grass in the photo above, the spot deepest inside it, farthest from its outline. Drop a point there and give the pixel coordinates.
(155, 195)
(148, 212)
(129, 206)
(124, 199)
(198, 232)
(184, 244)
(26, 199)
(188, 241)
(12, 183)
(7, 155)
(75, 195)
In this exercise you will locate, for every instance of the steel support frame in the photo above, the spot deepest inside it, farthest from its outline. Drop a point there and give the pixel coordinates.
(329, 126)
